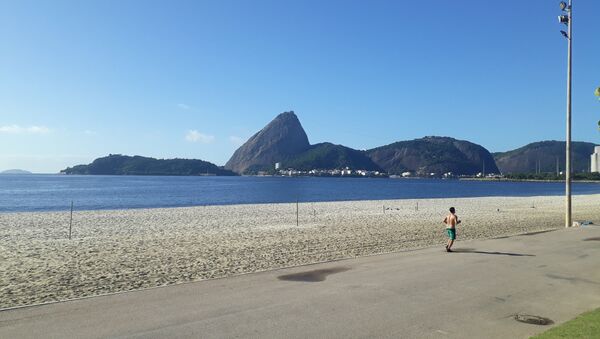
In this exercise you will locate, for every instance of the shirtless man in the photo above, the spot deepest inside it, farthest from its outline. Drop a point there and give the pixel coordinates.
(451, 220)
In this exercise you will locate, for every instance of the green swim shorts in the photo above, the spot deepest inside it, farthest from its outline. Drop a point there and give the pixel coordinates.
(451, 233)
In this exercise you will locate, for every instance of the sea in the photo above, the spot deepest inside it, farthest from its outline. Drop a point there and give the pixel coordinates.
(25, 193)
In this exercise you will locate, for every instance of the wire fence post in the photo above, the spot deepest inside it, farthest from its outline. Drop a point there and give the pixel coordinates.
(297, 220)
(71, 220)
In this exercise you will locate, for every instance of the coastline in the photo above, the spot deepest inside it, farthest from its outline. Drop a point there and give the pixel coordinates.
(529, 180)
(120, 250)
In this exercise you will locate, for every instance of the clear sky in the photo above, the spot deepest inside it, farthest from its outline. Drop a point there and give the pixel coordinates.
(193, 79)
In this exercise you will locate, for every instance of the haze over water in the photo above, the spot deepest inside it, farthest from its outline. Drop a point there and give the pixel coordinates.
(55, 192)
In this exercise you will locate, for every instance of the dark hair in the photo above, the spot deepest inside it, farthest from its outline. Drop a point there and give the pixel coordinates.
(452, 210)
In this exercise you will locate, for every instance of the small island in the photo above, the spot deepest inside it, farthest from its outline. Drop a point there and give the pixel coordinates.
(15, 171)
(117, 164)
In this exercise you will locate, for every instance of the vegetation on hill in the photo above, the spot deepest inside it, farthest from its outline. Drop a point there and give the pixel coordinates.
(433, 155)
(116, 164)
(542, 156)
(329, 156)
(323, 156)
(284, 141)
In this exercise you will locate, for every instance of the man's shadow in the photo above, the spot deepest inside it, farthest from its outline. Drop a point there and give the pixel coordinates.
(472, 250)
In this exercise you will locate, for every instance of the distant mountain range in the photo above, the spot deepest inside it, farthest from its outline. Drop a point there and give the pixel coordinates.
(15, 171)
(116, 164)
(284, 141)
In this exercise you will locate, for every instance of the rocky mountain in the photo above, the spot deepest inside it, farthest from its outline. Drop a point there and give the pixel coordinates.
(116, 164)
(329, 156)
(433, 155)
(281, 139)
(543, 155)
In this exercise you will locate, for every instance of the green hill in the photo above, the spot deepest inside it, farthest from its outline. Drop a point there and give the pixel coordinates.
(542, 156)
(433, 155)
(116, 164)
(329, 156)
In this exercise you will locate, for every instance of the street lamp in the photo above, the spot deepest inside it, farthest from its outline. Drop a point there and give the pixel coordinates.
(567, 19)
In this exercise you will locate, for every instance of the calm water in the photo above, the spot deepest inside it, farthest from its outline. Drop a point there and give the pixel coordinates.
(55, 192)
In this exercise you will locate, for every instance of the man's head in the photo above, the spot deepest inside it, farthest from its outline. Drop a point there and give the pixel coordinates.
(452, 210)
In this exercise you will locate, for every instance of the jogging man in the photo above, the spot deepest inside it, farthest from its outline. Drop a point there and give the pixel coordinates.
(451, 220)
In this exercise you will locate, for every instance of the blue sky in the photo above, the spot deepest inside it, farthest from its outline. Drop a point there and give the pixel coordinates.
(82, 79)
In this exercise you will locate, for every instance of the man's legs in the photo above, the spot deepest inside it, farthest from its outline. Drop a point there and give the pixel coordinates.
(449, 245)
(452, 236)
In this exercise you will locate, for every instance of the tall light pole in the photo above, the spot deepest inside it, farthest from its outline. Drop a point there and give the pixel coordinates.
(567, 19)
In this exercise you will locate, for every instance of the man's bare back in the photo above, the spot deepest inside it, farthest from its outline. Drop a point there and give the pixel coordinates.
(451, 220)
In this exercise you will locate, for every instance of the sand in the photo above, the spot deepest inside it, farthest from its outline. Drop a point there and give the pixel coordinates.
(122, 250)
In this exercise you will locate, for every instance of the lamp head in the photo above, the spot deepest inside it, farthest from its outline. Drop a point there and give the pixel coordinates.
(563, 5)
(563, 19)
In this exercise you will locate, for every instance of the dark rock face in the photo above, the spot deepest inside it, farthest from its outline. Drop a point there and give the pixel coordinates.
(542, 156)
(281, 139)
(434, 155)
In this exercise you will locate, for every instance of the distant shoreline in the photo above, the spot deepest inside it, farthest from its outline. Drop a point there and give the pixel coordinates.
(528, 180)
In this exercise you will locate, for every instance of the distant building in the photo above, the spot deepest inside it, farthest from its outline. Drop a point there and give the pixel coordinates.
(277, 165)
(596, 160)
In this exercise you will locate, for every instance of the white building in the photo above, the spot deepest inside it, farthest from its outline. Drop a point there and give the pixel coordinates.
(596, 160)
(277, 165)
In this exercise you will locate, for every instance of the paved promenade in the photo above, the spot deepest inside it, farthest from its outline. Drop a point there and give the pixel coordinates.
(428, 293)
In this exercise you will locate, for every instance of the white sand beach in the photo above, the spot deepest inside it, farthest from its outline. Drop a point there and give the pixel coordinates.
(121, 250)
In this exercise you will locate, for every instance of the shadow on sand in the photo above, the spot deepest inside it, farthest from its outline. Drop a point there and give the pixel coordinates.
(472, 250)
